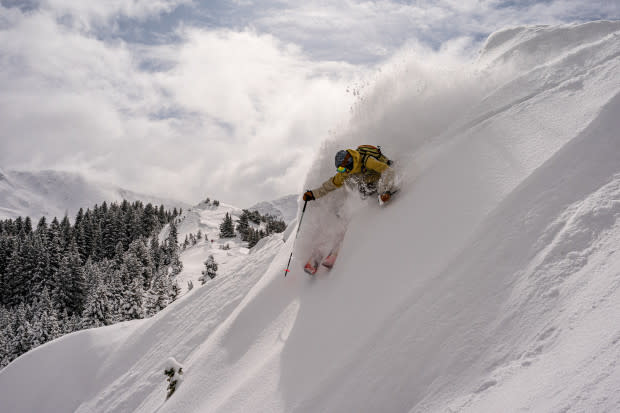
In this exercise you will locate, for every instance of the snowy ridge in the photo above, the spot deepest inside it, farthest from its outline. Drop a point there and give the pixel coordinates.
(284, 208)
(207, 219)
(227, 252)
(54, 193)
(523, 46)
(489, 284)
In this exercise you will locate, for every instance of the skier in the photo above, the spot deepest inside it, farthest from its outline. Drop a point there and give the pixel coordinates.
(367, 167)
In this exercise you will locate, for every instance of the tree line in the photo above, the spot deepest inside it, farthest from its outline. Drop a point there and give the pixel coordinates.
(106, 267)
(251, 234)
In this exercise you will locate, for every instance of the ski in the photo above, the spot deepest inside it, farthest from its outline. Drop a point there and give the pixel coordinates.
(317, 260)
(311, 266)
(330, 259)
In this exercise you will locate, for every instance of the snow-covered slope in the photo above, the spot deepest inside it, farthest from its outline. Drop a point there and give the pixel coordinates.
(54, 193)
(207, 219)
(489, 284)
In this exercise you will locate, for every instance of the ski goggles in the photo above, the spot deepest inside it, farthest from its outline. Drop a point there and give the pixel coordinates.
(342, 168)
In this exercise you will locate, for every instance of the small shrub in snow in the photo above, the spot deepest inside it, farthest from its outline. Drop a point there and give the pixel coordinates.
(174, 371)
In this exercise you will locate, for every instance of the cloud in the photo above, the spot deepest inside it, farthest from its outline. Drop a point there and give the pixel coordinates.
(367, 32)
(234, 115)
(88, 12)
(215, 98)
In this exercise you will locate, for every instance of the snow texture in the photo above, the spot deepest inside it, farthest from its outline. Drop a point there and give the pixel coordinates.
(491, 283)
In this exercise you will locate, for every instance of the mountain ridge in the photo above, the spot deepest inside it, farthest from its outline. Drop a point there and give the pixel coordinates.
(52, 193)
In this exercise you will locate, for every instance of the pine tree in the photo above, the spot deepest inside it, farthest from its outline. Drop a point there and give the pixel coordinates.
(65, 231)
(253, 237)
(173, 258)
(176, 265)
(172, 238)
(243, 225)
(55, 250)
(70, 285)
(97, 311)
(227, 228)
(16, 280)
(275, 226)
(4, 343)
(111, 234)
(23, 335)
(133, 296)
(141, 253)
(27, 226)
(155, 252)
(116, 295)
(41, 266)
(47, 316)
(7, 334)
(80, 232)
(210, 269)
(158, 297)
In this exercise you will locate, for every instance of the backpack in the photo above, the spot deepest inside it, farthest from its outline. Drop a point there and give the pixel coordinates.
(375, 152)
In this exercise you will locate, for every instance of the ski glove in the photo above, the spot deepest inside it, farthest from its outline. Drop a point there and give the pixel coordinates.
(309, 196)
(386, 196)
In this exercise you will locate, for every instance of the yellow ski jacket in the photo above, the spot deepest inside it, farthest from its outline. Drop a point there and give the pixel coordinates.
(375, 172)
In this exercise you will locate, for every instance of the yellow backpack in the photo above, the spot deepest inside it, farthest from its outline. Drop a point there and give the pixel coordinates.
(375, 152)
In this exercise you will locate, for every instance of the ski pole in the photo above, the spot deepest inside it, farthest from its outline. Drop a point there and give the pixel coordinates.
(303, 211)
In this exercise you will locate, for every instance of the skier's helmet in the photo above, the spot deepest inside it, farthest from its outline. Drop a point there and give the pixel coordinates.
(343, 161)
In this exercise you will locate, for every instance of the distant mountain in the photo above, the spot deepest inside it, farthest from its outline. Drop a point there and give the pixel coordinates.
(285, 207)
(53, 193)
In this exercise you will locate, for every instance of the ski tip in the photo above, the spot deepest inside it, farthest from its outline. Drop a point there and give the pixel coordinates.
(310, 269)
(329, 261)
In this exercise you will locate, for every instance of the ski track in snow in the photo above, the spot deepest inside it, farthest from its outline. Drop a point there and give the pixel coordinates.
(491, 283)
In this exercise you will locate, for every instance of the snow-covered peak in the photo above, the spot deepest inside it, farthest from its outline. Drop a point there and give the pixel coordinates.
(284, 208)
(56, 193)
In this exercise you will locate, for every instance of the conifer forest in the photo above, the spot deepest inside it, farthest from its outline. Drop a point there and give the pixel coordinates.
(107, 266)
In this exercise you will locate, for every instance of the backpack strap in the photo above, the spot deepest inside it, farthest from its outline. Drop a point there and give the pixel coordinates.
(375, 152)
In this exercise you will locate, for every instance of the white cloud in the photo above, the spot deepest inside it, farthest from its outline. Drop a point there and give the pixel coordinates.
(233, 111)
(367, 31)
(85, 14)
(236, 115)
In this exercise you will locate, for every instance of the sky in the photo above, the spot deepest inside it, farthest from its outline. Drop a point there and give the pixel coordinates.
(222, 99)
